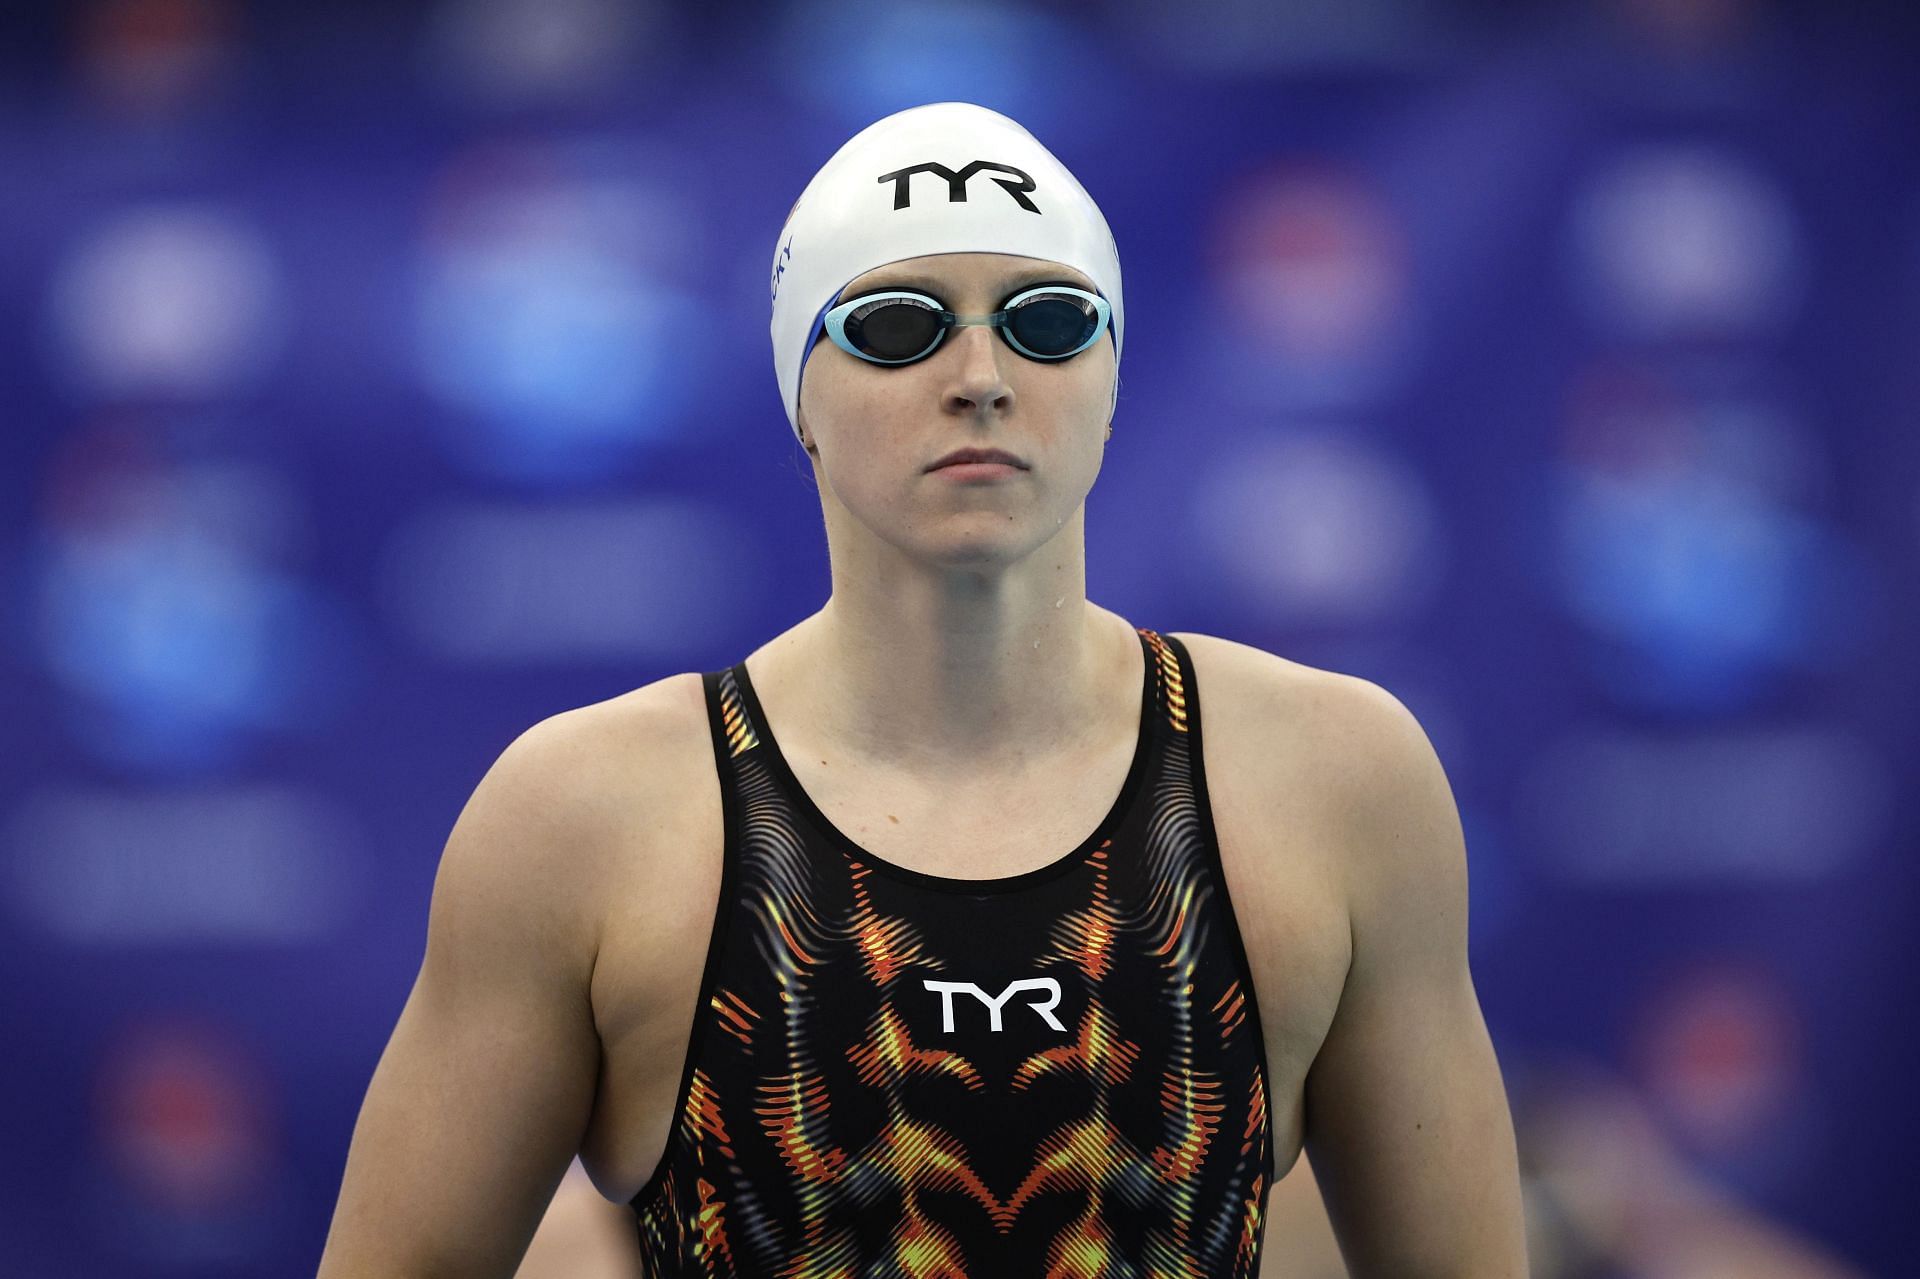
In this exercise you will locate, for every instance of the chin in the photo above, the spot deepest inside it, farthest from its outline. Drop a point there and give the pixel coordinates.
(1010, 542)
(975, 554)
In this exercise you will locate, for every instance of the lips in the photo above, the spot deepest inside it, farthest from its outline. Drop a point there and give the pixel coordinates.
(978, 455)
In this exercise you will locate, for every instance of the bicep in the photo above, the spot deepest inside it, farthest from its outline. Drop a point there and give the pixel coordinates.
(1406, 1115)
(481, 1097)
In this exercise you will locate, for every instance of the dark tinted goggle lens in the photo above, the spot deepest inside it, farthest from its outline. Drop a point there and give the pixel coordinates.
(893, 328)
(1053, 323)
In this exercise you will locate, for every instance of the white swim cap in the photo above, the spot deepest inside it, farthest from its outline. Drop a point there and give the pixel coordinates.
(948, 177)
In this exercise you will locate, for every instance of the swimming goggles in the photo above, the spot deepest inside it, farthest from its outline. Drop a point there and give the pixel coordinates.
(1048, 322)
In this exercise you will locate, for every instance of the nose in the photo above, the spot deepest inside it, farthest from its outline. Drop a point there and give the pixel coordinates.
(979, 373)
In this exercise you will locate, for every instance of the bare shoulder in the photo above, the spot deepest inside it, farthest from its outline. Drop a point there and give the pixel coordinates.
(1351, 740)
(1247, 667)
(1253, 686)
(636, 753)
(582, 782)
(657, 723)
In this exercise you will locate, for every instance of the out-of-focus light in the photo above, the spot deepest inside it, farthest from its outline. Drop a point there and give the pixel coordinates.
(550, 312)
(1636, 421)
(1319, 529)
(1609, 805)
(1681, 241)
(512, 52)
(617, 581)
(859, 60)
(1239, 37)
(1313, 269)
(183, 300)
(156, 56)
(152, 600)
(1698, 598)
(189, 1152)
(121, 869)
(1719, 1049)
(1679, 547)
(1687, 26)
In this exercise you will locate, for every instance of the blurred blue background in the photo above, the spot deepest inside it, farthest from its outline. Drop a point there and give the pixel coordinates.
(381, 379)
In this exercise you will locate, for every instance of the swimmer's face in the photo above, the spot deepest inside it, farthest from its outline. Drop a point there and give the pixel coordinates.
(874, 430)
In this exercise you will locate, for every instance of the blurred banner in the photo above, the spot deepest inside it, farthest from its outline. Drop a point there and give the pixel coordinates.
(382, 379)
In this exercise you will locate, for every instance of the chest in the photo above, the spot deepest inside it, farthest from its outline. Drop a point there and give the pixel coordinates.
(1276, 854)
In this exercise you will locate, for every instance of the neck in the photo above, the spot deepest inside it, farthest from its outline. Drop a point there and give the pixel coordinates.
(924, 669)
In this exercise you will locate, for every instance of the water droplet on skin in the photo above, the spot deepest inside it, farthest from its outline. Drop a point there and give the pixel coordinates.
(1057, 603)
(1036, 643)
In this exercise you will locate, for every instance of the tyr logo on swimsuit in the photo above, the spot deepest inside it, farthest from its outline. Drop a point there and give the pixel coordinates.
(948, 989)
(957, 182)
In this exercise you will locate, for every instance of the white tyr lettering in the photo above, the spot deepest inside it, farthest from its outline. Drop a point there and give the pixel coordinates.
(948, 989)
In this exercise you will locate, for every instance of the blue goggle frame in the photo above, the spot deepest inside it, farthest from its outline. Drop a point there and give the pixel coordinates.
(846, 323)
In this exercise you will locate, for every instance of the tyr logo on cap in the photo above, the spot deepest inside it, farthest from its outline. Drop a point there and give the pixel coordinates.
(780, 266)
(957, 182)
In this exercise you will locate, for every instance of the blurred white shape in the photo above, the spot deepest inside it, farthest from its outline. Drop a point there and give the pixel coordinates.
(171, 300)
(568, 583)
(1679, 240)
(1790, 804)
(509, 51)
(112, 868)
(1319, 528)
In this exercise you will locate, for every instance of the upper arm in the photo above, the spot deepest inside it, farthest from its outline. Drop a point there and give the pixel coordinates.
(480, 1100)
(1407, 1120)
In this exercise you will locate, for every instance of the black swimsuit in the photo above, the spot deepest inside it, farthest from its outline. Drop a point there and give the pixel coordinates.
(896, 1075)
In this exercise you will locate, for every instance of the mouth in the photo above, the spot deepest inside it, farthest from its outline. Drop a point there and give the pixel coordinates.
(961, 457)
